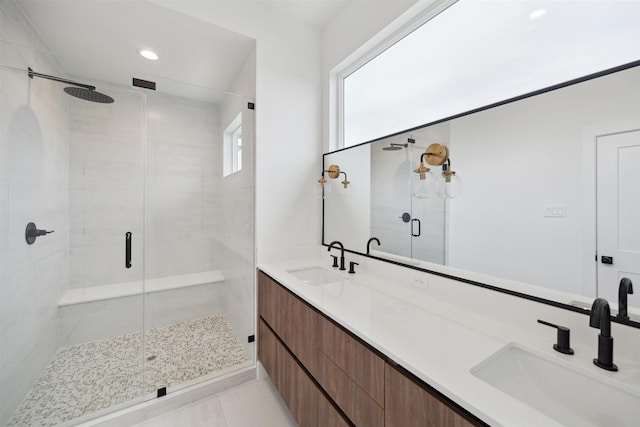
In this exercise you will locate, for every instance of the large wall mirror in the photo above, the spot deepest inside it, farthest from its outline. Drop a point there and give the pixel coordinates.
(549, 203)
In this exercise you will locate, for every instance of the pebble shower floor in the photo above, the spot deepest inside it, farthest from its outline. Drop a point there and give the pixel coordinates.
(86, 378)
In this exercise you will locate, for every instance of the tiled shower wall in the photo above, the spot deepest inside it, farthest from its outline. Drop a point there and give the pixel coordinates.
(106, 188)
(33, 187)
(184, 171)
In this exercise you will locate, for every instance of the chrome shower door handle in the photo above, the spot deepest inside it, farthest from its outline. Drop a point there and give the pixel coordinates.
(127, 249)
(413, 221)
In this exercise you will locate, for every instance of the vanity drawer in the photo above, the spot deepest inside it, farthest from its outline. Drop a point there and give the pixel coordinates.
(361, 365)
(291, 319)
(361, 409)
(298, 391)
(411, 403)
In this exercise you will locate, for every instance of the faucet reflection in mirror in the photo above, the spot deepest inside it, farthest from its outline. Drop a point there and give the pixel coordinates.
(333, 172)
(425, 184)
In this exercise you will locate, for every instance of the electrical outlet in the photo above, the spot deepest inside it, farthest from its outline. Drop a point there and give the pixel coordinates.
(420, 282)
(555, 211)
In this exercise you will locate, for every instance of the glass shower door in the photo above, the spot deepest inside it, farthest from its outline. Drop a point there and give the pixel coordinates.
(199, 250)
(101, 329)
(428, 213)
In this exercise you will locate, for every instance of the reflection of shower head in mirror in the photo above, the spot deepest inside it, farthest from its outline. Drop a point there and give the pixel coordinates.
(395, 147)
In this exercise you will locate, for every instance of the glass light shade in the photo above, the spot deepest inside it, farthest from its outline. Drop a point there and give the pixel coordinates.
(322, 190)
(423, 188)
(317, 191)
(450, 189)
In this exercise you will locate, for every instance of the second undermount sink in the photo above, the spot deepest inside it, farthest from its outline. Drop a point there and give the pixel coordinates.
(567, 394)
(316, 275)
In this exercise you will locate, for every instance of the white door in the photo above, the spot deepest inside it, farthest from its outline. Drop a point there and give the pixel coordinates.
(618, 213)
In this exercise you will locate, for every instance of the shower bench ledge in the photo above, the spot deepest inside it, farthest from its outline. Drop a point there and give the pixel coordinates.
(118, 290)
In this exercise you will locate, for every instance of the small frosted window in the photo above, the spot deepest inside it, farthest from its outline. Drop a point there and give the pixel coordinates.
(233, 147)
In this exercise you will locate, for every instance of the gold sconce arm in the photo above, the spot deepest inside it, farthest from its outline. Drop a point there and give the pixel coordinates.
(346, 181)
(333, 172)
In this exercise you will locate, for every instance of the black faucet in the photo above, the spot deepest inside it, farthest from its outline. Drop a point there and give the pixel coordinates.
(373, 239)
(626, 288)
(335, 242)
(600, 317)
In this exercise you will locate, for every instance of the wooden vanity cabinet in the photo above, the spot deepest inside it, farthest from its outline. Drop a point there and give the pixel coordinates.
(287, 348)
(318, 367)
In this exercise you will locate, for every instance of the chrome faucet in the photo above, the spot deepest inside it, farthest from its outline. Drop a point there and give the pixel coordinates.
(626, 288)
(373, 239)
(600, 317)
(335, 242)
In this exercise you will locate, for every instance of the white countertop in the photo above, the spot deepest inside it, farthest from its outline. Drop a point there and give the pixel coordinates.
(436, 339)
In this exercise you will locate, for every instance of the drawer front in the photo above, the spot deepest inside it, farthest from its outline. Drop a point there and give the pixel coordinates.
(328, 416)
(363, 366)
(269, 300)
(297, 390)
(361, 409)
(410, 405)
(291, 319)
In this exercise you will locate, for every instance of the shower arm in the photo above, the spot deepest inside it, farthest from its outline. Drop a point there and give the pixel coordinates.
(33, 74)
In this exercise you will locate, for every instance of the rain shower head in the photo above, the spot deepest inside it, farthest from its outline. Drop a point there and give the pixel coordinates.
(82, 91)
(89, 95)
(395, 147)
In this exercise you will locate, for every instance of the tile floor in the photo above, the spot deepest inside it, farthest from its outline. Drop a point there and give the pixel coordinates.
(86, 378)
(253, 404)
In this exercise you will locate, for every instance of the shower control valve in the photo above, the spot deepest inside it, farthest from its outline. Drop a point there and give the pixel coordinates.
(32, 233)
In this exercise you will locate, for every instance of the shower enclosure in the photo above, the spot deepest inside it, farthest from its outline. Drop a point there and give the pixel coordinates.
(145, 286)
(407, 226)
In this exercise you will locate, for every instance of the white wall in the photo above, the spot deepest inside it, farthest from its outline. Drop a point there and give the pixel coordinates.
(33, 187)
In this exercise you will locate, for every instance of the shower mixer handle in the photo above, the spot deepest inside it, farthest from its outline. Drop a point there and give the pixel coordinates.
(127, 249)
(32, 233)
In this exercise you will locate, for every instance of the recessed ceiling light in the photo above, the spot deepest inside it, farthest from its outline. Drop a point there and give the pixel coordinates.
(149, 54)
(538, 13)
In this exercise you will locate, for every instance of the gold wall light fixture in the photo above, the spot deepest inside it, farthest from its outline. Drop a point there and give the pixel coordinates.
(333, 172)
(427, 185)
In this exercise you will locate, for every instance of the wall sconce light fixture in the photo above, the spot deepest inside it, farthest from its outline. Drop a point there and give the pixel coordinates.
(333, 172)
(448, 185)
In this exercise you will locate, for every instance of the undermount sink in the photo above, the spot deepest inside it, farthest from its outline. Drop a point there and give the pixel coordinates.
(560, 391)
(316, 275)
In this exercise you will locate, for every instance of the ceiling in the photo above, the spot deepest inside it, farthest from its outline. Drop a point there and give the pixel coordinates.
(98, 41)
(316, 13)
